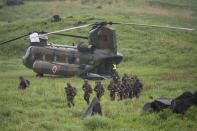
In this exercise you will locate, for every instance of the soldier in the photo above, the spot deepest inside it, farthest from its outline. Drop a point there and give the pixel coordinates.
(115, 76)
(87, 90)
(137, 88)
(99, 89)
(125, 78)
(112, 89)
(120, 89)
(71, 92)
(24, 83)
(125, 89)
(131, 87)
(125, 84)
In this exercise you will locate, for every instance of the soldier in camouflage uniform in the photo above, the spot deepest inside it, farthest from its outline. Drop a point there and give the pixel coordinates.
(23, 83)
(71, 92)
(120, 89)
(87, 91)
(137, 87)
(115, 76)
(112, 89)
(131, 87)
(125, 84)
(125, 78)
(99, 89)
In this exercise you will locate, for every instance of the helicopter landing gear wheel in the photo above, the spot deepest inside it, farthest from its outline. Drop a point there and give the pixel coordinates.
(39, 75)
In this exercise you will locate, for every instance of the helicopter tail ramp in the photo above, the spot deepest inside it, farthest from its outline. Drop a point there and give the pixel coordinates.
(104, 38)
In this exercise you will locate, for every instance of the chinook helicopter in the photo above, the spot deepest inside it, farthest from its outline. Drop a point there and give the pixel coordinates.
(96, 59)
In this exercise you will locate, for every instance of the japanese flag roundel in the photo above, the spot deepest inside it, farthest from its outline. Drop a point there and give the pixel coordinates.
(54, 69)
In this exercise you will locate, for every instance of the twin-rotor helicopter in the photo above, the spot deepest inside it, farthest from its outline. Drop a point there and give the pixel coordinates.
(93, 60)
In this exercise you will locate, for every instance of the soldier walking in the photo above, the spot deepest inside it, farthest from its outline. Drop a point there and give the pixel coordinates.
(125, 78)
(71, 92)
(23, 83)
(137, 88)
(115, 76)
(112, 89)
(120, 89)
(99, 89)
(87, 91)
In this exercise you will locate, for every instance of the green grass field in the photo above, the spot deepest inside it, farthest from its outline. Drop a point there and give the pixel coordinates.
(164, 60)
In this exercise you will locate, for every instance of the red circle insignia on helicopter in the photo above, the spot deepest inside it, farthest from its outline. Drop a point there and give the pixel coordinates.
(54, 69)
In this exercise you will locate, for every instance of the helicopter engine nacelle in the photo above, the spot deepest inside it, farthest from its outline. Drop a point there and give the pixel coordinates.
(44, 67)
(65, 69)
(82, 47)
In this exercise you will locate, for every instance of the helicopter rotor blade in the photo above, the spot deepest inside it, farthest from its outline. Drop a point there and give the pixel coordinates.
(67, 29)
(69, 35)
(4, 42)
(158, 26)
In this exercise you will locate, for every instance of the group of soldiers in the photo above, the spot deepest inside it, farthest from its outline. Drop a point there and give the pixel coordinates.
(128, 87)
(71, 92)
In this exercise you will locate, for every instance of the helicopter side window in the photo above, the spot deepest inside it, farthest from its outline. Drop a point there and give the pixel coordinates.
(55, 58)
(71, 58)
(43, 57)
(66, 59)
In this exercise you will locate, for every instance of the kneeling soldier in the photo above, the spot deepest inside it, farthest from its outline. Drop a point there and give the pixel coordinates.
(23, 83)
(87, 91)
(71, 92)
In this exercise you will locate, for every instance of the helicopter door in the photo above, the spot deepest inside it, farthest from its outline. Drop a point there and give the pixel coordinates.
(105, 67)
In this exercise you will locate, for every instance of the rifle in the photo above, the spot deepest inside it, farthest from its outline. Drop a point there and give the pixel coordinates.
(26, 83)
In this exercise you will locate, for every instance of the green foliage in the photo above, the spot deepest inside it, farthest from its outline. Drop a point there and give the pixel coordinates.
(96, 122)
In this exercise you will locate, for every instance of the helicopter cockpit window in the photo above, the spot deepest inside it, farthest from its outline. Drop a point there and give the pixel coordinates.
(71, 58)
(27, 53)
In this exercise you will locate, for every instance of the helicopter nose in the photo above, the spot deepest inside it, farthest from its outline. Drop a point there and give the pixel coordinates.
(27, 63)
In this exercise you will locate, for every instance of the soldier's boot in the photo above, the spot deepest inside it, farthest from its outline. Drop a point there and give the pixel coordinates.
(112, 97)
(72, 103)
(130, 94)
(69, 105)
(137, 95)
(85, 98)
(88, 97)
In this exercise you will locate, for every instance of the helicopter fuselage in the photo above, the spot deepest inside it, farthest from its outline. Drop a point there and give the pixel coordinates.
(69, 61)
